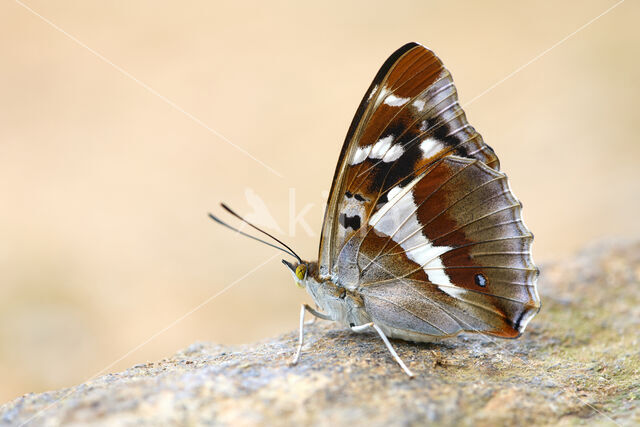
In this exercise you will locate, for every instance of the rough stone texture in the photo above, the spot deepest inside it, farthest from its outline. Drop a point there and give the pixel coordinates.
(578, 362)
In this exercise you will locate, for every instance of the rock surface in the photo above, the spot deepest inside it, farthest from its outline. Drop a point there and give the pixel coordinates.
(578, 362)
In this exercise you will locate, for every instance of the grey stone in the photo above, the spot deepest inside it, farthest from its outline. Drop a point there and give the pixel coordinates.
(577, 363)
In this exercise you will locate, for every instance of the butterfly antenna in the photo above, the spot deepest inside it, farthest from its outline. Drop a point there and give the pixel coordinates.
(228, 209)
(288, 250)
(221, 222)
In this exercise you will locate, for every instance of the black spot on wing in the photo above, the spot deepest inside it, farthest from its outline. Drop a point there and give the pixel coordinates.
(358, 197)
(480, 280)
(441, 132)
(349, 221)
(396, 127)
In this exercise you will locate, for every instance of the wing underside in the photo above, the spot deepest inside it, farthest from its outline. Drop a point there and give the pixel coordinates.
(420, 220)
(449, 253)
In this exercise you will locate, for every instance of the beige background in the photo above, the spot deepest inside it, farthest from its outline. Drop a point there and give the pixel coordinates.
(104, 186)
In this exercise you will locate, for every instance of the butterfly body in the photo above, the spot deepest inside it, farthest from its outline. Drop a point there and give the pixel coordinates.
(337, 302)
(348, 308)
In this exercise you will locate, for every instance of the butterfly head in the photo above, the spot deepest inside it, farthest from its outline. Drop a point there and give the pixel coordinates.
(299, 271)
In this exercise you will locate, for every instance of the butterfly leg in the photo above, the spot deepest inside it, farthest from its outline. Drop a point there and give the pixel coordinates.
(313, 319)
(303, 308)
(361, 328)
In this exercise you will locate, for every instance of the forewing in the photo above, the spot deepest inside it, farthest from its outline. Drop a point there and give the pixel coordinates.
(408, 119)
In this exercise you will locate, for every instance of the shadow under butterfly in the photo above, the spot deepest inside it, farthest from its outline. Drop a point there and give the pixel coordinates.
(422, 237)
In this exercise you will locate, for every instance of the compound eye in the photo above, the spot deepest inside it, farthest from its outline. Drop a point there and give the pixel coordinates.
(301, 271)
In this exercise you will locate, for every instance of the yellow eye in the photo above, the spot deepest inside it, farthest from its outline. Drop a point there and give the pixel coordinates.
(301, 271)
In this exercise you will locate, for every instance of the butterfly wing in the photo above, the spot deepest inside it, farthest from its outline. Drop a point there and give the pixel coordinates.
(419, 219)
(409, 117)
(449, 252)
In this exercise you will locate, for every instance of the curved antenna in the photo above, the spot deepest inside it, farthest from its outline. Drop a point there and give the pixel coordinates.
(228, 209)
(289, 251)
(221, 222)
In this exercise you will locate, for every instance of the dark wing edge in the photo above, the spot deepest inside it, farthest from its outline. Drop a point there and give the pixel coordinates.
(324, 250)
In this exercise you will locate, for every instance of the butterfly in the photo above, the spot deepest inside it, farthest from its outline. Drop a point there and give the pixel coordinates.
(422, 236)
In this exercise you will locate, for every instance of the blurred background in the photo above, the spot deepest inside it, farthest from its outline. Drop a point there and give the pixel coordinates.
(111, 154)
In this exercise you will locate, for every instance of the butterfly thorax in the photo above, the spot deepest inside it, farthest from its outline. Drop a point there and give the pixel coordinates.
(339, 303)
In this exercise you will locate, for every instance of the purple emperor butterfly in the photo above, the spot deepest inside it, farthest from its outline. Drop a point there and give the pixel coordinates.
(422, 236)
